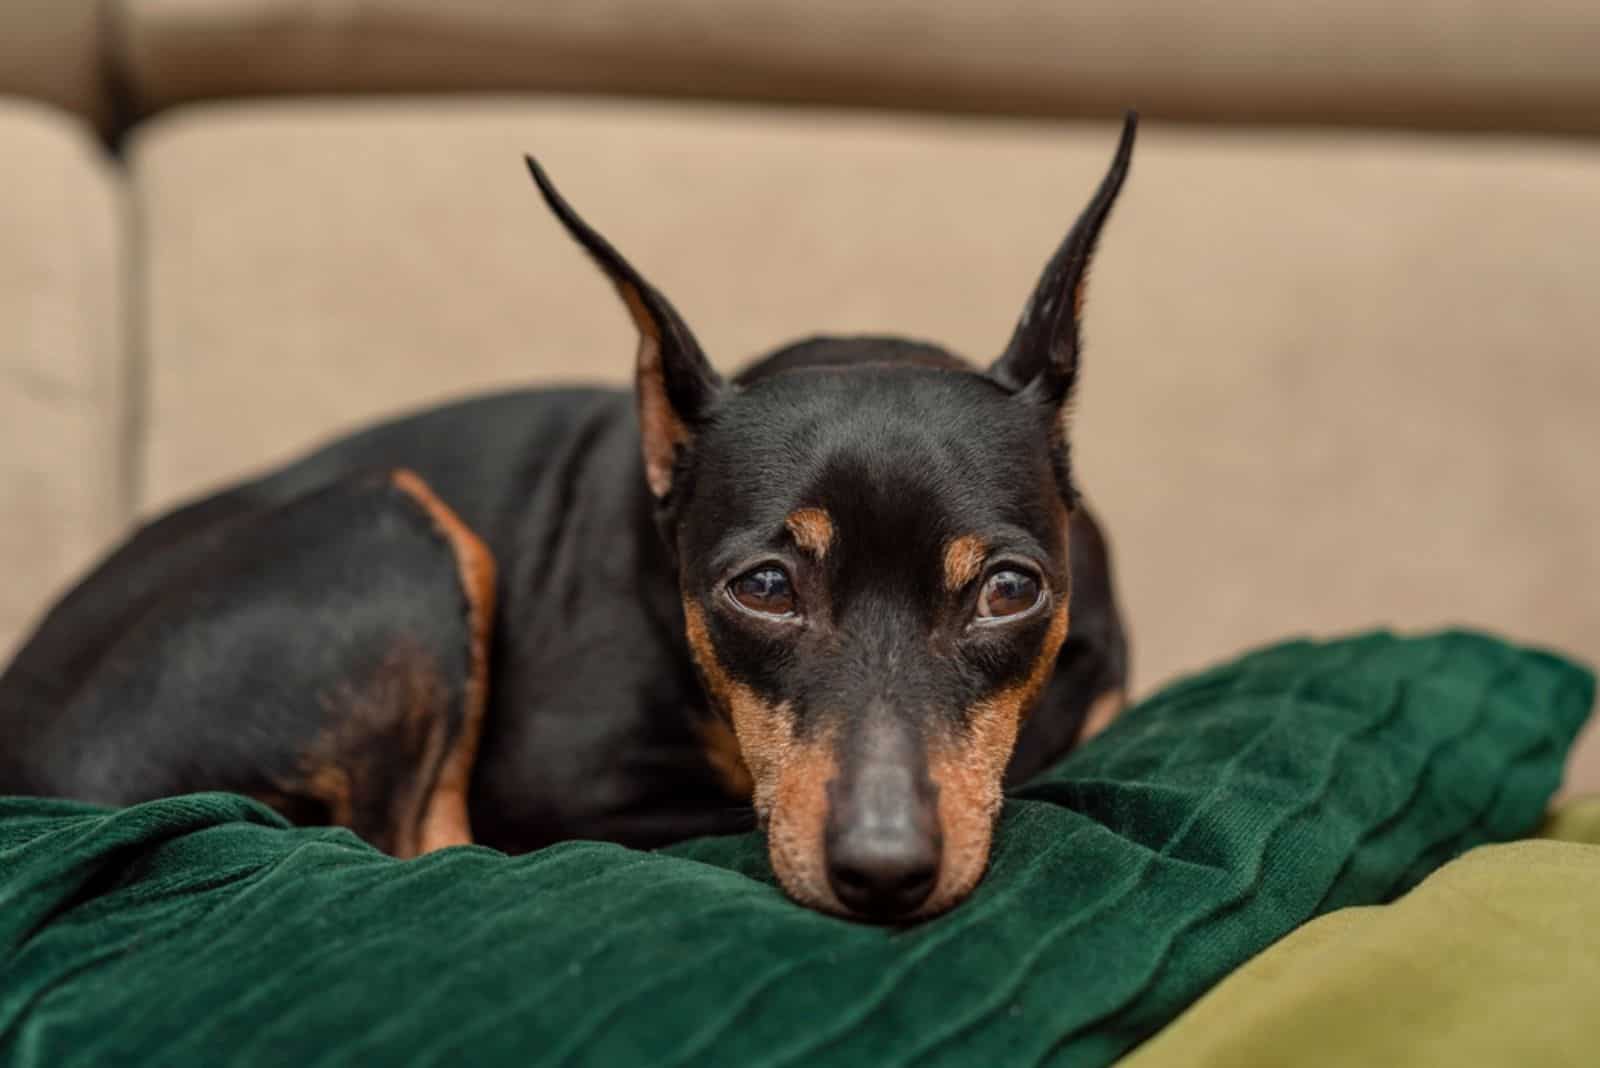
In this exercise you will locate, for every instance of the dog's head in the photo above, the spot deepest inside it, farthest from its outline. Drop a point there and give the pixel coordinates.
(871, 541)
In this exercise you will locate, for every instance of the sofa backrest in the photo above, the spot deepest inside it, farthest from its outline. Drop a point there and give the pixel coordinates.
(51, 50)
(1449, 64)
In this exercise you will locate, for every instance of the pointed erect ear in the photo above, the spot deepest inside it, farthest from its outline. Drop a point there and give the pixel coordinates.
(1043, 354)
(676, 384)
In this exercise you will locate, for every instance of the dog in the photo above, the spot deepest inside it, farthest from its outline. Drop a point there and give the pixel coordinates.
(852, 592)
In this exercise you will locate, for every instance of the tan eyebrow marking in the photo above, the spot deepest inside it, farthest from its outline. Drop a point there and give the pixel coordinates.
(963, 559)
(812, 530)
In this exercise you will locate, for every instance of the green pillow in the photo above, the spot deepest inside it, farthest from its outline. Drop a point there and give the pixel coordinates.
(1204, 825)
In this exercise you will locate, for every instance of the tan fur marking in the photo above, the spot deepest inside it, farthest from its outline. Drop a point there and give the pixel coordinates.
(1102, 712)
(661, 432)
(812, 530)
(970, 769)
(797, 825)
(330, 784)
(963, 561)
(370, 767)
(722, 750)
(638, 312)
(444, 821)
(764, 732)
(789, 776)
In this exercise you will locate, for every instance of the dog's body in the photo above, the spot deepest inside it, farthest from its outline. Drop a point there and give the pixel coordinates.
(505, 613)
(596, 724)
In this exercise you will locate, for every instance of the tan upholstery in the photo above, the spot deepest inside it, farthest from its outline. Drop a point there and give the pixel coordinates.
(1332, 381)
(62, 359)
(1470, 63)
(52, 50)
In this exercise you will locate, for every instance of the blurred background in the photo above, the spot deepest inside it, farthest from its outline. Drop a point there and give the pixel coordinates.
(1343, 338)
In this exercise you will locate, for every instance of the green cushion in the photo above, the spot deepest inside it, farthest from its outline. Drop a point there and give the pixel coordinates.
(1203, 826)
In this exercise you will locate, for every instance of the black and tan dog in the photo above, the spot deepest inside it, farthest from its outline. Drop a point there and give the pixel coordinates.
(837, 586)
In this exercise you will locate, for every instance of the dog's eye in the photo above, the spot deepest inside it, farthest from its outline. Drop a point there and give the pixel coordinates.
(766, 590)
(1008, 592)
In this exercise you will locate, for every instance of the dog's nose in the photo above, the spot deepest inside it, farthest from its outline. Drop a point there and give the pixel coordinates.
(881, 873)
(883, 842)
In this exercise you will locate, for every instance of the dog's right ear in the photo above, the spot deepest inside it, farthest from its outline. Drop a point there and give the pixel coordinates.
(1042, 358)
(676, 384)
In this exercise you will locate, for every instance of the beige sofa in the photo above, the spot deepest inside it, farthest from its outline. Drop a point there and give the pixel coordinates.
(1343, 339)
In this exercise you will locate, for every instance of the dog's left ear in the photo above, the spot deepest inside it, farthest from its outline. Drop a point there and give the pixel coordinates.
(1041, 361)
(676, 384)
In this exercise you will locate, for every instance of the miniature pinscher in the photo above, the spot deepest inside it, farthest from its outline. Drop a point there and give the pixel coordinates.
(854, 590)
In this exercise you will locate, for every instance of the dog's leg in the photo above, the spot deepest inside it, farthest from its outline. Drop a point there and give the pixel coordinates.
(327, 656)
(444, 817)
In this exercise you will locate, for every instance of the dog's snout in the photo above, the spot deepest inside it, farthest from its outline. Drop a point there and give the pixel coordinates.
(883, 841)
(883, 875)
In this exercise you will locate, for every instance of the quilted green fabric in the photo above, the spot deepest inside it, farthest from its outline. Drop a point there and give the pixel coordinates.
(1207, 823)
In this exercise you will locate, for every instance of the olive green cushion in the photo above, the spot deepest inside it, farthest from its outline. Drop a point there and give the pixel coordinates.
(1203, 826)
(1494, 960)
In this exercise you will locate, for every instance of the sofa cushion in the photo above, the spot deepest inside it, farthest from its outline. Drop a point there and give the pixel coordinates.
(62, 353)
(1330, 380)
(53, 50)
(1461, 63)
